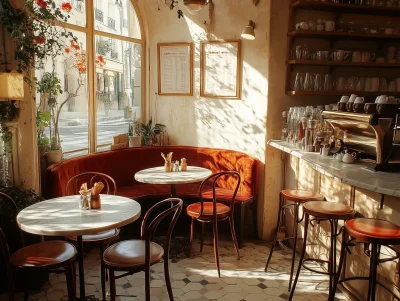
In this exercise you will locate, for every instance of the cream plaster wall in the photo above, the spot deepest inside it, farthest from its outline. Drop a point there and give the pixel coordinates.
(197, 121)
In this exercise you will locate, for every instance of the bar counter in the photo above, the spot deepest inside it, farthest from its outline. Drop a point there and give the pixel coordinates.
(372, 194)
(358, 174)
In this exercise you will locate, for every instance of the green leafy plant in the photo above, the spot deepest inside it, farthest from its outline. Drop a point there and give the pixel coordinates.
(36, 31)
(8, 112)
(148, 131)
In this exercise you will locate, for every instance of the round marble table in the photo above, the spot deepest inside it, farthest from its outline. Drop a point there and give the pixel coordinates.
(62, 217)
(157, 175)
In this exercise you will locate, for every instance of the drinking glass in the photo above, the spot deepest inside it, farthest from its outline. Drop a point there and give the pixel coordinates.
(328, 86)
(383, 87)
(298, 82)
(307, 85)
(318, 82)
(305, 53)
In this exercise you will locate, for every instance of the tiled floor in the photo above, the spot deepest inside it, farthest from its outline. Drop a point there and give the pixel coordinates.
(196, 278)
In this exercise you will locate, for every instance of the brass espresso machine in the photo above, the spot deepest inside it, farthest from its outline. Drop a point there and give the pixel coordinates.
(373, 136)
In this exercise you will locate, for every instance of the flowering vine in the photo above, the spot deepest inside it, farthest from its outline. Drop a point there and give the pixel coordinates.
(35, 33)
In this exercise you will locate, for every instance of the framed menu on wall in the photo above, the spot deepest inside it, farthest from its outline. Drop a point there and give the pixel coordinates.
(220, 68)
(175, 69)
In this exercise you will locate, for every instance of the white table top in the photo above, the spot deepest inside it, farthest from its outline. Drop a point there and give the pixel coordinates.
(62, 216)
(157, 175)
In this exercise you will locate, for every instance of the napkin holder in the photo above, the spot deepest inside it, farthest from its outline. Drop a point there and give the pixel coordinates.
(95, 202)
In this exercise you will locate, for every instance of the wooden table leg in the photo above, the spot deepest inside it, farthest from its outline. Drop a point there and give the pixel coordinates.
(81, 271)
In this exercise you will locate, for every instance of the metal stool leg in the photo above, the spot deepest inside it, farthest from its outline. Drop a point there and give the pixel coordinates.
(340, 267)
(306, 222)
(295, 225)
(276, 232)
(372, 272)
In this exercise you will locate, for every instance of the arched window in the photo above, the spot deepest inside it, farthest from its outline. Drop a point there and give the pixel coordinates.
(100, 76)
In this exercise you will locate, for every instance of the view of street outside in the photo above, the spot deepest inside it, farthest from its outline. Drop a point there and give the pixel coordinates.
(118, 82)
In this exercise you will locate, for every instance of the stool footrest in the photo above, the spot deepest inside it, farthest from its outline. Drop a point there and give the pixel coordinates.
(311, 269)
(341, 282)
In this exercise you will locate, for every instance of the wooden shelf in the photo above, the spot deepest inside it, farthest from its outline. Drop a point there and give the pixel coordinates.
(338, 93)
(342, 64)
(337, 35)
(346, 8)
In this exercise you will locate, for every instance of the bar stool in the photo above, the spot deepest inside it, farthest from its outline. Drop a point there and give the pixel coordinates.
(372, 231)
(333, 212)
(297, 198)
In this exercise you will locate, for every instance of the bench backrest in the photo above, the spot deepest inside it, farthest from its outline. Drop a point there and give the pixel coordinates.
(124, 163)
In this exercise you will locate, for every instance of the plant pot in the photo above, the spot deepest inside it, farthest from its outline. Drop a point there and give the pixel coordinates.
(54, 156)
(128, 114)
(134, 141)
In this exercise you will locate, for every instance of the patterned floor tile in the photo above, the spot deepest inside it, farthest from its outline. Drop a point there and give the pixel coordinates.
(196, 278)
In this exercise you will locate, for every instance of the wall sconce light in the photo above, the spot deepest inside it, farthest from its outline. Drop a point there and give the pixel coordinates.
(248, 32)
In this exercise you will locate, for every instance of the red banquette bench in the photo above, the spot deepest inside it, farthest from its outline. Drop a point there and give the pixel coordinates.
(124, 163)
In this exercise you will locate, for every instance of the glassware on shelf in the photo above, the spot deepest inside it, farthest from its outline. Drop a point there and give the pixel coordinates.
(298, 82)
(318, 82)
(328, 82)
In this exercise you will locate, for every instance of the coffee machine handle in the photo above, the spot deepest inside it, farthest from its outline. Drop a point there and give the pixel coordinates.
(396, 132)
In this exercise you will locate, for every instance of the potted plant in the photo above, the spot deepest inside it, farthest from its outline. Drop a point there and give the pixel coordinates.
(134, 133)
(149, 132)
(128, 112)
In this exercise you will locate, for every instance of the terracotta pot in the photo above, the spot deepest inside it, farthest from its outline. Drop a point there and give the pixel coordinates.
(54, 156)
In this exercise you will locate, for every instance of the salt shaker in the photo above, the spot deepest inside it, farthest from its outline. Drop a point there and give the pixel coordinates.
(176, 165)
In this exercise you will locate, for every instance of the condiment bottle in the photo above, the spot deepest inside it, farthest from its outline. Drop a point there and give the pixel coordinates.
(183, 164)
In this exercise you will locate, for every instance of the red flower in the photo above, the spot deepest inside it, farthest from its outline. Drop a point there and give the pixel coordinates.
(39, 40)
(67, 50)
(66, 6)
(41, 3)
(76, 47)
(101, 59)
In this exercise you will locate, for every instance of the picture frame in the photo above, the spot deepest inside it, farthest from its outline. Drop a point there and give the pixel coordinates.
(221, 69)
(175, 68)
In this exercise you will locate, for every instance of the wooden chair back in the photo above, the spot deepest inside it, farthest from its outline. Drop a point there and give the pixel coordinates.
(213, 180)
(74, 184)
(173, 207)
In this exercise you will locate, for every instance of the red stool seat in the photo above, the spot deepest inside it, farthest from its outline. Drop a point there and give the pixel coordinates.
(373, 230)
(301, 196)
(328, 210)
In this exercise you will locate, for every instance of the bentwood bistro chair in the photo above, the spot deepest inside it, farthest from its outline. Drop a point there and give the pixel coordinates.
(214, 211)
(101, 239)
(133, 256)
(49, 256)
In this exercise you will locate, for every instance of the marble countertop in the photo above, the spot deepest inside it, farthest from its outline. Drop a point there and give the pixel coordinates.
(62, 216)
(157, 175)
(358, 174)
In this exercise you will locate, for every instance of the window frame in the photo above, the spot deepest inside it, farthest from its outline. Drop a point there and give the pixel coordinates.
(91, 33)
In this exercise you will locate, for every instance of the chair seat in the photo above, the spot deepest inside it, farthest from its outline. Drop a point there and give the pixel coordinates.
(194, 210)
(331, 210)
(49, 254)
(130, 254)
(373, 230)
(301, 196)
(109, 235)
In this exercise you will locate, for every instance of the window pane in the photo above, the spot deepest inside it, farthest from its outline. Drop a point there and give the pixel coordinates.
(69, 106)
(118, 87)
(77, 13)
(117, 17)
